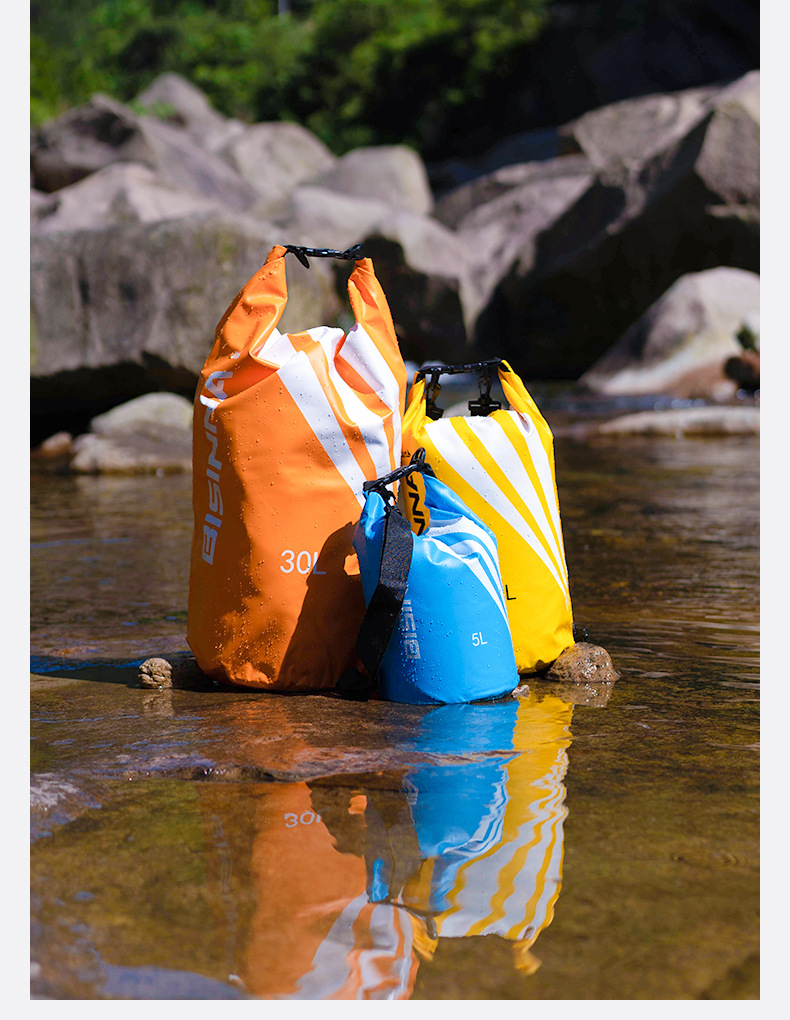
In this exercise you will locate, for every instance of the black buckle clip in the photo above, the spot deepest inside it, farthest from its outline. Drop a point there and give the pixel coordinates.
(382, 485)
(482, 406)
(353, 253)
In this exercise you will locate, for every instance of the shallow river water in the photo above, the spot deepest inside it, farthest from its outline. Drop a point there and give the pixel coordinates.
(215, 843)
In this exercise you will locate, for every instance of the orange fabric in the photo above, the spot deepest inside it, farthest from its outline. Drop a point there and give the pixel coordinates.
(297, 945)
(287, 427)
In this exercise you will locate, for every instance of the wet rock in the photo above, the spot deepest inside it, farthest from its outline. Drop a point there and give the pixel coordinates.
(98, 455)
(690, 421)
(680, 345)
(175, 671)
(583, 663)
(56, 446)
(56, 800)
(394, 174)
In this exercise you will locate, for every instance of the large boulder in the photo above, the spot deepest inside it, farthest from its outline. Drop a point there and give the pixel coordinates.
(680, 346)
(468, 199)
(516, 204)
(691, 205)
(118, 193)
(631, 131)
(177, 101)
(276, 157)
(428, 276)
(133, 307)
(102, 132)
(394, 174)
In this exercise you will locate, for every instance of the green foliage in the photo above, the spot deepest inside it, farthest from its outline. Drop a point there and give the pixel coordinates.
(354, 71)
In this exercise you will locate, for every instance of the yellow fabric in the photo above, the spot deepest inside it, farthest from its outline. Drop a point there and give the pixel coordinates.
(502, 467)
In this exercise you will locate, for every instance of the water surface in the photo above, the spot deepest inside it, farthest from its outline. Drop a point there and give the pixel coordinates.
(214, 843)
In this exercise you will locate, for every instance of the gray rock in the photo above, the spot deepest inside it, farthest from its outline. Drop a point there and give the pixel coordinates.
(691, 205)
(275, 158)
(172, 98)
(468, 200)
(41, 206)
(431, 285)
(102, 132)
(690, 421)
(153, 414)
(118, 193)
(393, 174)
(427, 274)
(629, 132)
(131, 455)
(682, 342)
(505, 230)
(134, 307)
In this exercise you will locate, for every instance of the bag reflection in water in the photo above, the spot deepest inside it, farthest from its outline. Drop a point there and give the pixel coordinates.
(490, 833)
(353, 886)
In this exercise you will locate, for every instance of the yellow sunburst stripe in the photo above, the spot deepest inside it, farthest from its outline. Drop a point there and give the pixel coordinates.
(507, 873)
(477, 448)
(547, 500)
(540, 887)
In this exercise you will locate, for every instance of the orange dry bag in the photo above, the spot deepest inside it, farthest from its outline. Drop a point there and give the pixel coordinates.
(287, 428)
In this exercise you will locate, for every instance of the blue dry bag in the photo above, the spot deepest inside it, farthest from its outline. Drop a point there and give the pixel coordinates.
(450, 642)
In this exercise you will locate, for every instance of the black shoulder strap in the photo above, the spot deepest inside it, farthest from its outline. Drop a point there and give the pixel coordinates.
(383, 609)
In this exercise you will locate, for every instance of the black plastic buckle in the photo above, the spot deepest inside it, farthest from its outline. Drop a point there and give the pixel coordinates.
(482, 406)
(353, 253)
(382, 485)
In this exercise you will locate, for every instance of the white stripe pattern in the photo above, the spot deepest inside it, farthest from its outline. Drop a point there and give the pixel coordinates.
(355, 411)
(474, 549)
(331, 969)
(482, 877)
(460, 458)
(361, 353)
(298, 378)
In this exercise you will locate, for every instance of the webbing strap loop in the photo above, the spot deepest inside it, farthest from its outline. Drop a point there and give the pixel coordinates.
(355, 252)
(384, 608)
(381, 615)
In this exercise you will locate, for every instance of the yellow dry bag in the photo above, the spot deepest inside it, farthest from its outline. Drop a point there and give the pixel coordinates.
(501, 464)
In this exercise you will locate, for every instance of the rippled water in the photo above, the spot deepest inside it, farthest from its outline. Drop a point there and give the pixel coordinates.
(209, 843)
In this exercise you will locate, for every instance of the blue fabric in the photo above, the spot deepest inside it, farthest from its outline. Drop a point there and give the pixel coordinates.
(452, 643)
